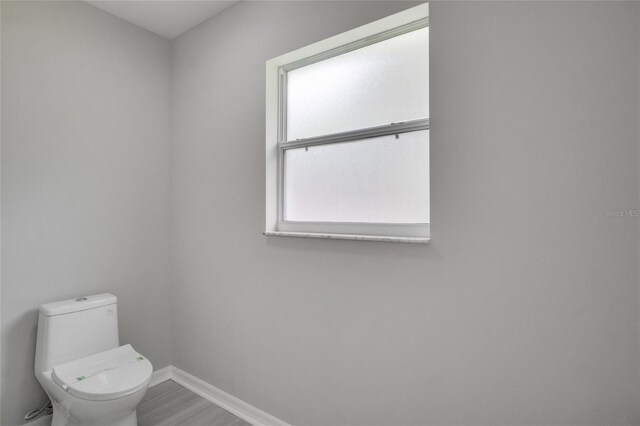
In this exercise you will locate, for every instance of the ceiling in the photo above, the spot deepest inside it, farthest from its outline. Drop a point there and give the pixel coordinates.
(166, 18)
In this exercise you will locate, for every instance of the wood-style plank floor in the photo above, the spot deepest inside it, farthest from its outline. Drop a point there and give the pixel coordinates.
(169, 404)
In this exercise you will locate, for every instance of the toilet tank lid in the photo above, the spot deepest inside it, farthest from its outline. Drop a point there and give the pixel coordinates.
(78, 304)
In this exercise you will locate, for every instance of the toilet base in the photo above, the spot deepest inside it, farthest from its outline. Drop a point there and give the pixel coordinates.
(69, 410)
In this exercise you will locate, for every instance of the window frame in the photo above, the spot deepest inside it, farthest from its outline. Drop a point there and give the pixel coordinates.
(277, 143)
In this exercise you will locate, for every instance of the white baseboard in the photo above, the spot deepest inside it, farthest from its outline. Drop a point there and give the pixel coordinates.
(161, 375)
(236, 406)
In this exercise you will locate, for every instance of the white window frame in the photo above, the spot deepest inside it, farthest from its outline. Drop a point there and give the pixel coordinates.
(276, 142)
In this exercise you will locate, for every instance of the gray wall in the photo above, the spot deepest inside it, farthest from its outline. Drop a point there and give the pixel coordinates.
(523, 309)
(85, 179)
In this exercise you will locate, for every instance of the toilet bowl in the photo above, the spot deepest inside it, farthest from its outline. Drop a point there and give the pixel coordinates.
(90, 379)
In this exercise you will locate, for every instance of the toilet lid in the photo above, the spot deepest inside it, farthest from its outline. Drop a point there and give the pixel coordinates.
(106, 375)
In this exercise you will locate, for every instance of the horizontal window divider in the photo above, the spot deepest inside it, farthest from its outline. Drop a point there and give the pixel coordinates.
(359, 134)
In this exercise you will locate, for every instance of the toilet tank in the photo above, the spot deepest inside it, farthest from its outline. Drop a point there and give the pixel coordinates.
(75, 328)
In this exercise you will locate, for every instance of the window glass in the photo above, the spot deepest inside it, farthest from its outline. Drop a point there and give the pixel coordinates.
(378, 180)
(378, 84)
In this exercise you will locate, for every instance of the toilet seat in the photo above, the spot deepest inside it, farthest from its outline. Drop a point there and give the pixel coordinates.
(107, 375)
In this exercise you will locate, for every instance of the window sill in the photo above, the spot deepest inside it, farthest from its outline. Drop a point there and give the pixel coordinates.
(381, 238)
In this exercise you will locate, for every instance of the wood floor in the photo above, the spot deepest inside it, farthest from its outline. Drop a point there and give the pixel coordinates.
(169, 404)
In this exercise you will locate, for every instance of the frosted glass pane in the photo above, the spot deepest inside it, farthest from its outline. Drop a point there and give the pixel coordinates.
(386, 82)
(383, 180)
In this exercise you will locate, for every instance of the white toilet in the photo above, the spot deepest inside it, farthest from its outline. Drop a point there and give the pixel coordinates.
(90, 379)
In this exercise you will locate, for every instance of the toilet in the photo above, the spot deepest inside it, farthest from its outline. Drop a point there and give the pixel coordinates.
(90, 379)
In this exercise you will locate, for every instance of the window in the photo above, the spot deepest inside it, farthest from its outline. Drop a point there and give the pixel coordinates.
(348, 134)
